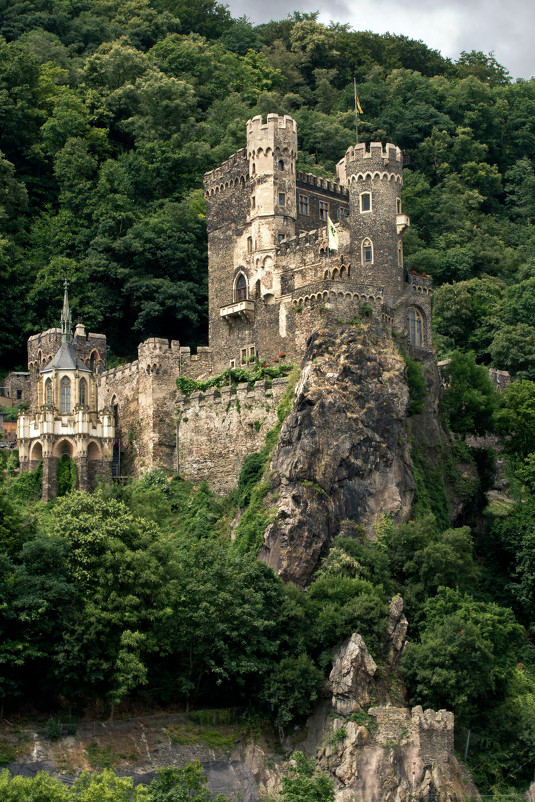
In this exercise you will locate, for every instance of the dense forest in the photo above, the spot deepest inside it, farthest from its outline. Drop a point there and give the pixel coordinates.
(110, 113)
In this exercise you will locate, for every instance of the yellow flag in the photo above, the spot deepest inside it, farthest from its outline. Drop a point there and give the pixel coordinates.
(357, 102)
(332, 235)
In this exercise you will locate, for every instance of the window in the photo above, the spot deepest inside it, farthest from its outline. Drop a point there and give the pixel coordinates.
(241, 288)
(232, 363)
(83, 392)
(365, 202)
(243, 354)
(282, 198)
(324, 210)
(398, 205)
(48, 392)
(19, 395)
(367, 251)
(415, 326)
(400, 254)
(341, 213)
(254, 169)
(253, 202)
(280, 237)
(252, 351)
(303, 204)
(65, 396)
(281, 164)
(249, 244)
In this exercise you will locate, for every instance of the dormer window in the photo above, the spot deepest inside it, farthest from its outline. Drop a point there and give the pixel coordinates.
(241, 288)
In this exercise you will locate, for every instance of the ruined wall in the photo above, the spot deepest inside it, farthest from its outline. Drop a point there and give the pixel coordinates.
(219, 428)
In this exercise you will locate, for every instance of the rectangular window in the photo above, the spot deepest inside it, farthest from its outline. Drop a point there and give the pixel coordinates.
(365, 202)
(398, 205)
(252, 351)
(232, 363)
(243, 353)
(324, 210)
(19, 395)
(253, 202)
(282, 198)
(340, 212)
(303, 204)
(280, 237)
(367, 253)
(249, 244)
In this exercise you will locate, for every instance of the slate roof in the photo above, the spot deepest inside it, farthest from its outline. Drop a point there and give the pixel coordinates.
(66, 359)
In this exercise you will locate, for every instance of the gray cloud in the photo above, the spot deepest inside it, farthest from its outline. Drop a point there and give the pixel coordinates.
(487, 25)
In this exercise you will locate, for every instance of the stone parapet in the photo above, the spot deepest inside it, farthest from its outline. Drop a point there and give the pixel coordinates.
(310, 181)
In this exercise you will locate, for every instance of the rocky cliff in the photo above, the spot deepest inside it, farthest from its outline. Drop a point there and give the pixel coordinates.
(343, 450)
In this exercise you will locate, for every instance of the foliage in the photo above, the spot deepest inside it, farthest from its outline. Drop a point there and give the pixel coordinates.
(515, 417)
(291, 688)
(469, 398)
(232, 376)
(67, 476)
(417, 385)
(303, 784)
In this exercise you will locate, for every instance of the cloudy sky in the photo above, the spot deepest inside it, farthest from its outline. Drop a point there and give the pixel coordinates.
(506, 28)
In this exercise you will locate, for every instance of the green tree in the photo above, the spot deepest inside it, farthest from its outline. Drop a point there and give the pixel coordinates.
(515, 417)
(469, 398)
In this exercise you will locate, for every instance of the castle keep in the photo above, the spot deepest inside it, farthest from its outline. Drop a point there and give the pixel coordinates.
(272, 281)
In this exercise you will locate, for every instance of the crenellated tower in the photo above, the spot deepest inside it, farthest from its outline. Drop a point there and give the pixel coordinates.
(377, 223)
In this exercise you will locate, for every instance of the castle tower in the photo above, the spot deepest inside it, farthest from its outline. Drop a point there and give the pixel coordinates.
(377, 224)
(251, 208)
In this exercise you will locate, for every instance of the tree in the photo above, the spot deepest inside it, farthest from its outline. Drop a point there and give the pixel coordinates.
(469, 398)
(515, 417)
(182, 785)
(513, 349)
(291, 689)
(303, 784)
(466, 656)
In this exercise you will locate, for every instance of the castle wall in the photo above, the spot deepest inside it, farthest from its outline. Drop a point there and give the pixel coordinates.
(218, 429)
(317, 190)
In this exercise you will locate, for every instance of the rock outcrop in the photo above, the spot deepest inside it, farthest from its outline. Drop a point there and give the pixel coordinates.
(343, 450)
(383, 753)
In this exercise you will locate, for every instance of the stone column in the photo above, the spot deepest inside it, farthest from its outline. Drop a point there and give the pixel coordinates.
(50, 477)
(81, 466)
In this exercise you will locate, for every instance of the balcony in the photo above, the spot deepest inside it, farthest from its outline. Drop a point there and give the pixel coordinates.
(403, 221)
(243, 310)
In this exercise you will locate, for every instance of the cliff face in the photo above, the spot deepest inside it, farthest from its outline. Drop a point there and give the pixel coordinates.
(342, 451)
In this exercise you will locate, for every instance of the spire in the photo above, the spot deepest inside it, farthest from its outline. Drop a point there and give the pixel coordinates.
(66, 321)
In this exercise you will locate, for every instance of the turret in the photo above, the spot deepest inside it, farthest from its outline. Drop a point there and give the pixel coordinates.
(377, 224)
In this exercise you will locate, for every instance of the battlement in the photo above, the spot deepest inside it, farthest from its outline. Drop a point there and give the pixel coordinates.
(377, 162)
(230, 394)
(119, 373)
(309, 180)
(311, 238)
(157, 345)
(421, 284)
(256, 126)
(237, 160)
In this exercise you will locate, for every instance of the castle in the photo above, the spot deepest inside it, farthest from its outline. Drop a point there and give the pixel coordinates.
(273, 280)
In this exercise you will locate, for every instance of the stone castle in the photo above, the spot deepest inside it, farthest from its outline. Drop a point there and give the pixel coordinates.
(273, 280)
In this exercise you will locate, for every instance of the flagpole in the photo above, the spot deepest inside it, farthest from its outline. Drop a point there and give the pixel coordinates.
(356, 110)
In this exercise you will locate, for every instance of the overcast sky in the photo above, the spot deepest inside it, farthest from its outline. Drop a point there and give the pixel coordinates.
(506, 28)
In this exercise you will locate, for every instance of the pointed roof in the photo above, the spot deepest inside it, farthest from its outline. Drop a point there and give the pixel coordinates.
(66, 359)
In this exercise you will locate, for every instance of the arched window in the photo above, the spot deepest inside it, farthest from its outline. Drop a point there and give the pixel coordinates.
(241, 288)
(415, 326)
(281, 164)
(83, 392)
(367, 251)
(65, 396)
(48, 392)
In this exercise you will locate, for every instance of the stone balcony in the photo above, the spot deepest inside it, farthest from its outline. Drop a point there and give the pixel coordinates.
(243, 310)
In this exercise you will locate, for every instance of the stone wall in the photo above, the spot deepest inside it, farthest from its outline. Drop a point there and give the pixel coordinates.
(16, 388)
(219, 428)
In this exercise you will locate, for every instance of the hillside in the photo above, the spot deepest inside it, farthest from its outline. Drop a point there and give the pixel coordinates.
(374, 495)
